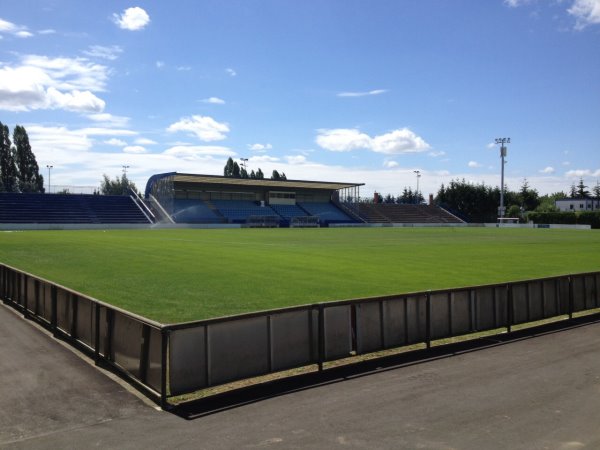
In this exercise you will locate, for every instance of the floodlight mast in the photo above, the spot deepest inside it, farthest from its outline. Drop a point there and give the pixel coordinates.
(503, 152)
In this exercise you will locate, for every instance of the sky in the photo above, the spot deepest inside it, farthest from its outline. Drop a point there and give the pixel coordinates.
(357, 91)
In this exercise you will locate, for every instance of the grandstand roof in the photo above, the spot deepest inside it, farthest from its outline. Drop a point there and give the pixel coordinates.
(251, 182)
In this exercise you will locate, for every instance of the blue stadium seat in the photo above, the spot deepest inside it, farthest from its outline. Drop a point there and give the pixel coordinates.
(327, 212)
(193, 211)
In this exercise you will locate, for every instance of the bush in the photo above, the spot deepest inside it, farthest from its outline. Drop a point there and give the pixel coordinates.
(570, 218)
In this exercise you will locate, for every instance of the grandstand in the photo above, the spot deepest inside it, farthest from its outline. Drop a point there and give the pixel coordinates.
(70, 209)
(405, 213)
(189, 198)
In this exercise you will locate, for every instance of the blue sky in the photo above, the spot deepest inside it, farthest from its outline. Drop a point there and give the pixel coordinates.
(357, 91)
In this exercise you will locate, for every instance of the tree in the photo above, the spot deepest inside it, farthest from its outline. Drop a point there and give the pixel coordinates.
(529, 198)
(252, 174)
(236, 171)
(118, 186)
(283, 177)
(596, 190)
(275, 176)
(29, 176)
(228, 169)
(259, 174)
(582, 191)
(243, 172)
(8, 168)
(573, 191)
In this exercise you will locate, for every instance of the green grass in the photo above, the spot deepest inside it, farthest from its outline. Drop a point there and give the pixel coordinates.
(180, 275)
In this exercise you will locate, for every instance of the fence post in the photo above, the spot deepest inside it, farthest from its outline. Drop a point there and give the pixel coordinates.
(53, 310)
(163, 368)
(428, 320)
(321, 336)
(144, 353)
(571, 297)
(509, 307)
(97, 332)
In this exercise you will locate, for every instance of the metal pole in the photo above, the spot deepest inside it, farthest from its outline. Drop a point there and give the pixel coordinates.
(502, 141)
(49, 168)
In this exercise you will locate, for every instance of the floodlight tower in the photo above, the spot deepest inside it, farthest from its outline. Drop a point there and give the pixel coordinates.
(49, 167)
(502, 142)
(418, 172)
(244, 162)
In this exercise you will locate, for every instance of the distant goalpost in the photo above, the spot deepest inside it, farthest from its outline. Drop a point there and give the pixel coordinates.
(262, 222)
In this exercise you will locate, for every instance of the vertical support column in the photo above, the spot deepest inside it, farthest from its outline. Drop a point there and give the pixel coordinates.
(269, 345)
(53, 310)
(571, 297)
(427, 320)
(321, 336)
(163, 368)
(96, 332)
(509, 307)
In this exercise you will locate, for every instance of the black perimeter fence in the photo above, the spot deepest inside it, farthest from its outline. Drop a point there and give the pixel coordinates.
(164, 361)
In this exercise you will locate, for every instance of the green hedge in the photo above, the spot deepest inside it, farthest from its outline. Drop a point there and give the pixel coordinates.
(570, 218)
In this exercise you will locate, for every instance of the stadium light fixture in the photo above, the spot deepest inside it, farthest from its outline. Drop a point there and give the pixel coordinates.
(244, 161)
(418, 172)
(503, 152)
(49, 167)
(125, 170)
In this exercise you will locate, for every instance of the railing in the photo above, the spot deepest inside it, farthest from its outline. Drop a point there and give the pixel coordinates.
(171, 360)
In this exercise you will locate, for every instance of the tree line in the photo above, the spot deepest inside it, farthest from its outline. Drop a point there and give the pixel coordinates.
(233, 170)
(19, 170)
(479, 202)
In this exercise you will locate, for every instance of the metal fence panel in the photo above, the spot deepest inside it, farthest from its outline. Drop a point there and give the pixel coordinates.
(535, 297)
(520, 302)
(126, 340)
(589, 282)
(64, 310)
(578, 292)
(394, 322)
(187, 360)
(368, 327)
(46, 301)
(238, 349)
(338, 332)
(485, 308)
(84, 321)
(551, 297)
(153, 368)
(291, 338)
(22, 289)
(416, 318)
(440, 315)
(31, 294)
(564, 295)
(461, 308)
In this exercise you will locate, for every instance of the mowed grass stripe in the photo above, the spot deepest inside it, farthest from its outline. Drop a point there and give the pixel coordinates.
(181, 275)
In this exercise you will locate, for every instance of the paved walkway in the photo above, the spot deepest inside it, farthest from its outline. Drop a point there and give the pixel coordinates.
(537, 393)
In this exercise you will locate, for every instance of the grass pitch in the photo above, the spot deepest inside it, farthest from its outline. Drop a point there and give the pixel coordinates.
(180, 275)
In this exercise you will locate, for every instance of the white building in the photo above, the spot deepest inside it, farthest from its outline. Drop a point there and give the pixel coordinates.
(577, 204)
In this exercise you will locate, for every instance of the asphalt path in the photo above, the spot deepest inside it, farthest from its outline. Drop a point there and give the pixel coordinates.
(541, 392)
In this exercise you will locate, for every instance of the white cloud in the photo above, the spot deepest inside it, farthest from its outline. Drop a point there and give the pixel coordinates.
(491, 145)
(262, 159)
(259, 148)
(47, 31)
(566, 163)
(13, 29)
(134, 149)
(390, 164)
(515, 3)
(586, 12)
(109, 119)
(39, 82)
(51, 139)
(205, 128)
(115, 142)
(395, 142)
(132, 19)
(192, 152)
(473, 164)
(580, 173)
(362, 94)
(183, 68)
(160, 64)
(231, 72)
(145, 141)
(214, 101)
(296, 159)
(101, 131)
(548, 170)
(99, 51)
(436, 154)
